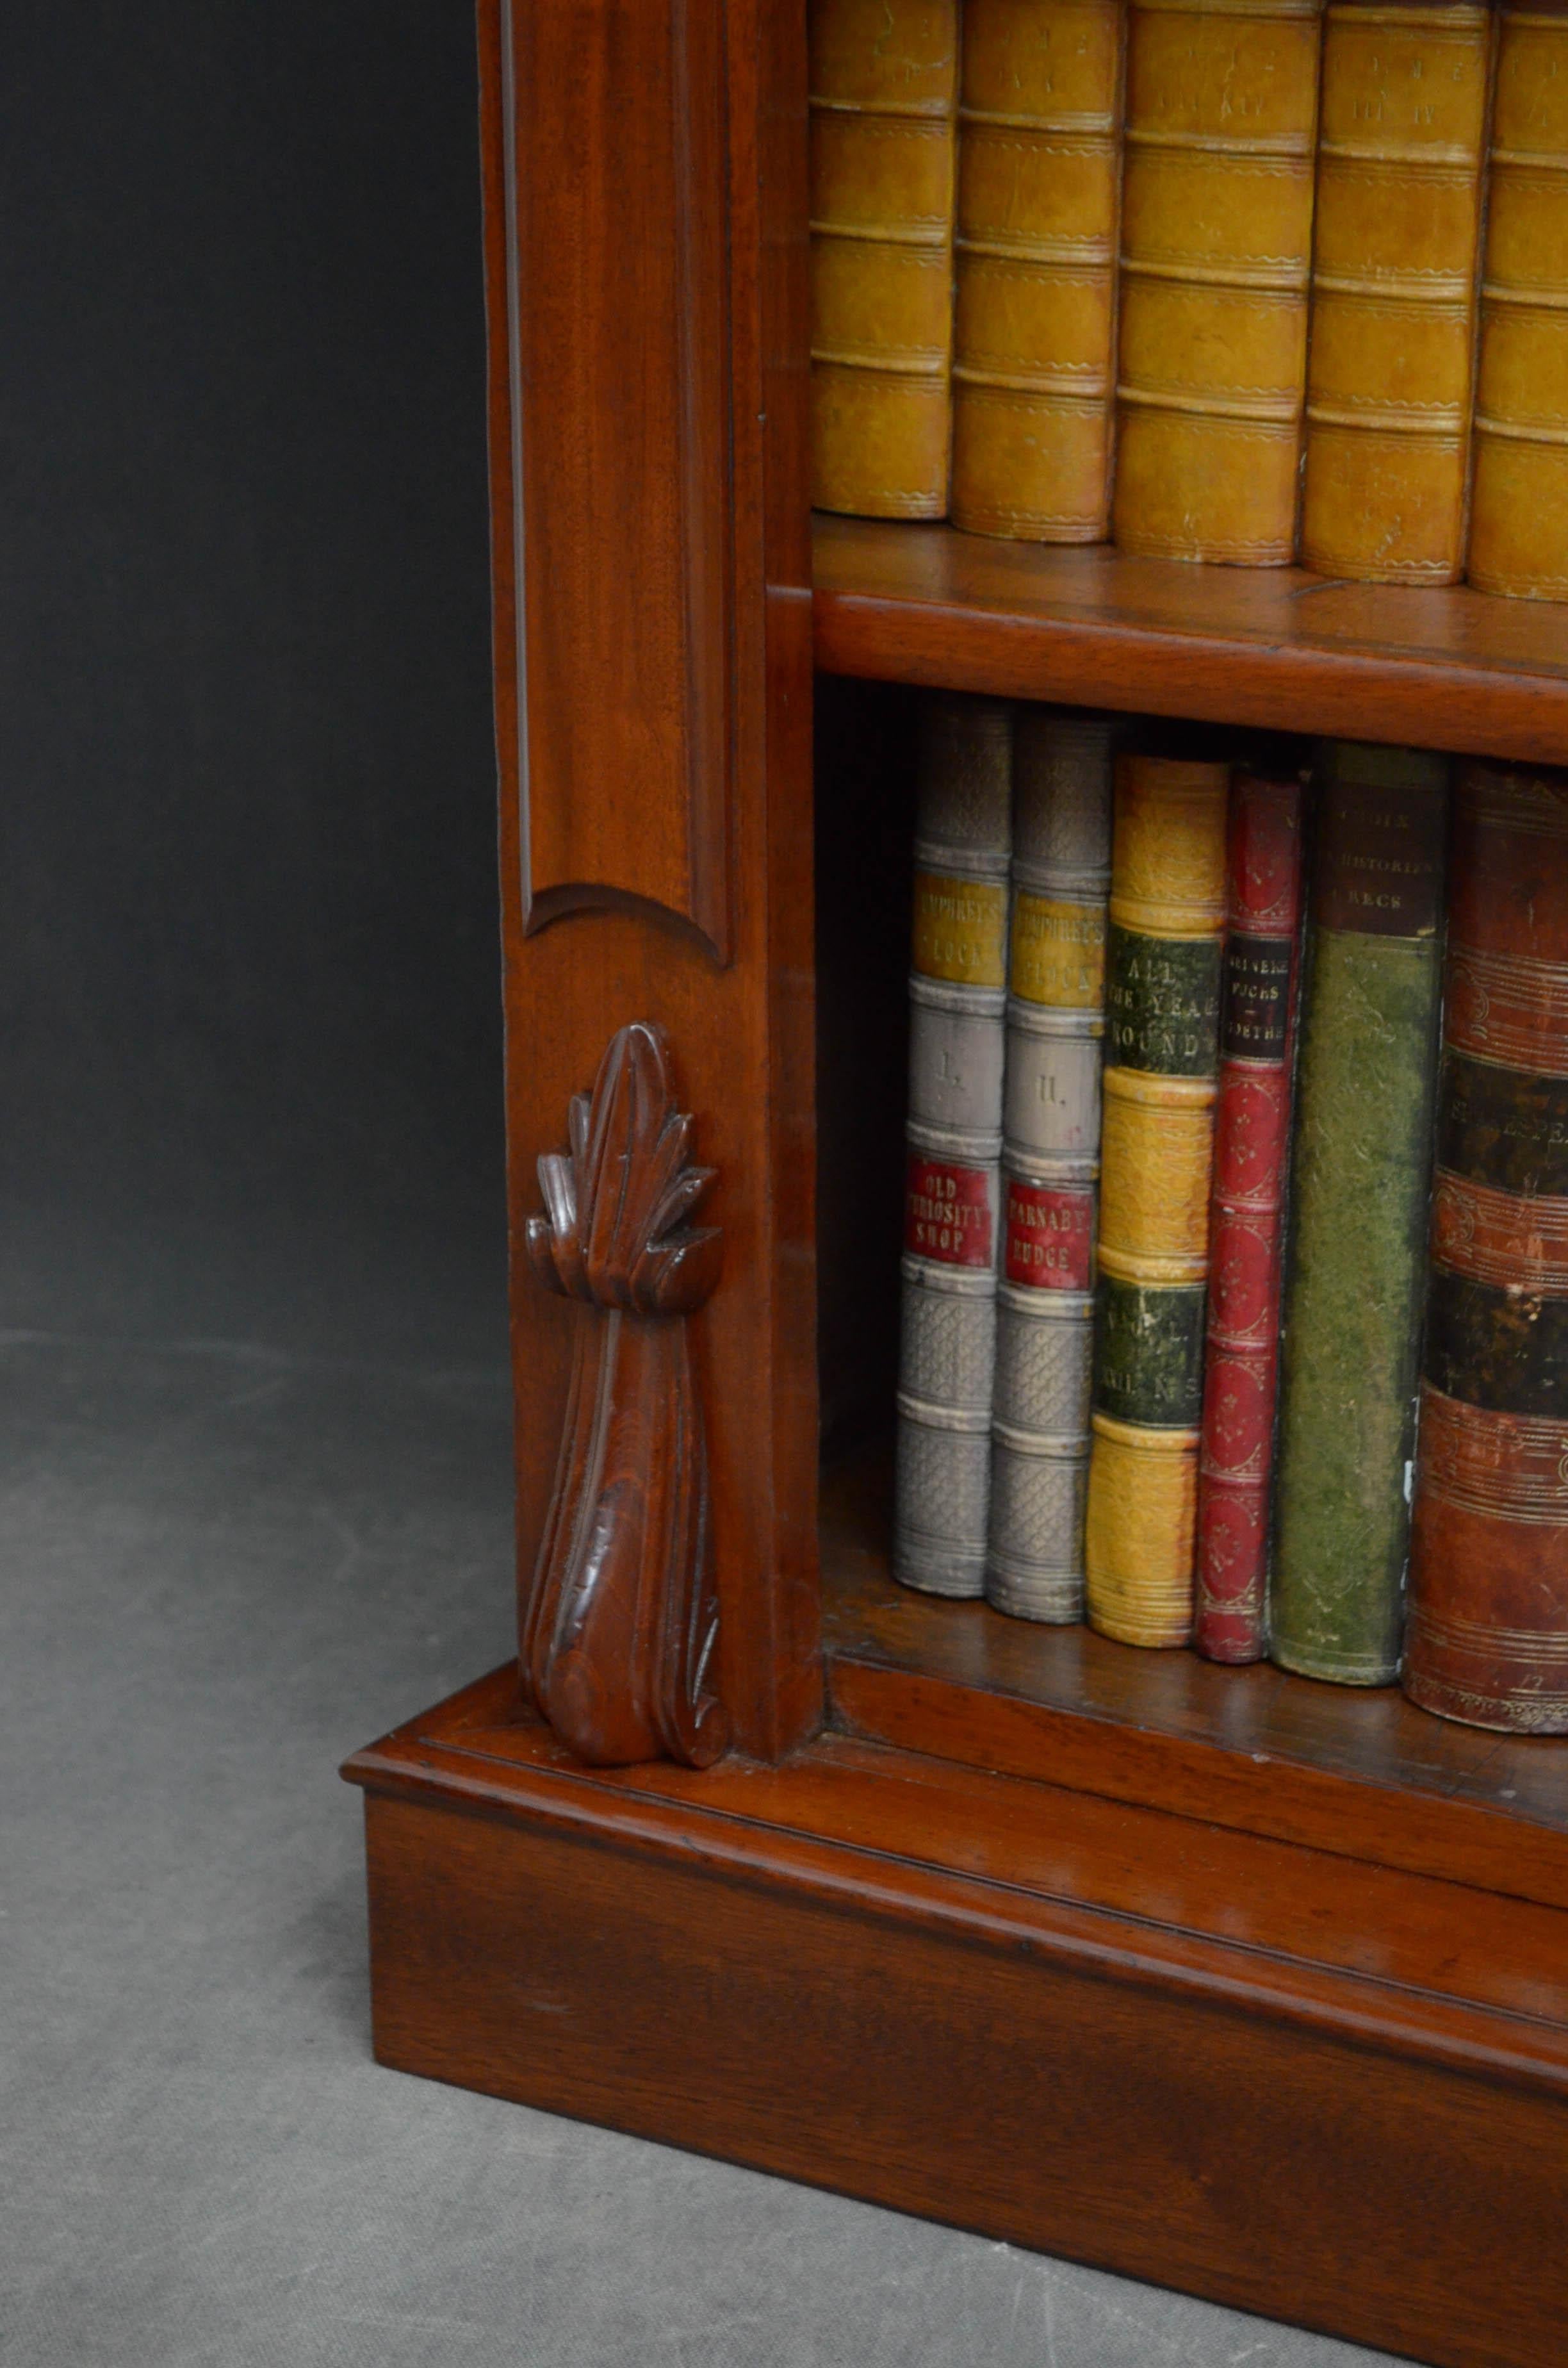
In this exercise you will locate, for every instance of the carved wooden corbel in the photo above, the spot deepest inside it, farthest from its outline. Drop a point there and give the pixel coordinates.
(619, 1633)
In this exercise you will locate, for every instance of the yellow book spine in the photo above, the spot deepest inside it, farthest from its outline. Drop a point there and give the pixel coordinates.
(1139, 1532)
(1518, 531)
(1216, 249)
(1389, 381)
(1156, 1156)
(884, 124)
(1035, 330)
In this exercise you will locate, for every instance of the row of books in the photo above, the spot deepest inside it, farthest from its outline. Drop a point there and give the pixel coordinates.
(1120, 1394)
(1242, 280)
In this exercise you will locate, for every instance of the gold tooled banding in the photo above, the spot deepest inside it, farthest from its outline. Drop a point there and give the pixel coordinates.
(883, 135)
(1156, 1151)
(1519, 537)
(1139, 1533)
(1169, 877)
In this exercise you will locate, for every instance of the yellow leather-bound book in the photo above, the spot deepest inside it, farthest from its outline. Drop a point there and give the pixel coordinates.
(1405, 96)
(1035, 268)
(884, 100)
(1519, 529)
(1216, 247)
(1167, 911)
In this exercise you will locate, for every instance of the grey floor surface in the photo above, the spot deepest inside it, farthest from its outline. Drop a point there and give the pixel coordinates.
(225, 1564)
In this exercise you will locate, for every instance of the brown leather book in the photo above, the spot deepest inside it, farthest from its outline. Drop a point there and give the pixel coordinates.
(884, 107)
(1518, 531)
(1395, 262)
(1487, 1639)
(1034, 334)
(1216, 245)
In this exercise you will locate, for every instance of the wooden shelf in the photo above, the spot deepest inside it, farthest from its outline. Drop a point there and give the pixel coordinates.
(1363, 1775)
(1273, 647)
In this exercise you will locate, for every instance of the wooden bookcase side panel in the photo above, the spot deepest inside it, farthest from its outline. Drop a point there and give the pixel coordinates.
(675, 848)
(1268, 647)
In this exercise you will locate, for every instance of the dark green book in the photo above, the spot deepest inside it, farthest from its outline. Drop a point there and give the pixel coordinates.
(1360, 1180)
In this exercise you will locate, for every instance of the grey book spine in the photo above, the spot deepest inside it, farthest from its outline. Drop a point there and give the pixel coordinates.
(1055, 1029)
(952, 1202)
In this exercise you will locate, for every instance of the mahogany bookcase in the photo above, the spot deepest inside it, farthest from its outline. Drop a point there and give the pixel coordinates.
(1256, 1987)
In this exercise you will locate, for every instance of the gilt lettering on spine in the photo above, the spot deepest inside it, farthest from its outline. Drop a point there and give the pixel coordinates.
(952, 1208)
(1050, 1162)
(1252, 1140)
(1360, 1175)
(1167, 914)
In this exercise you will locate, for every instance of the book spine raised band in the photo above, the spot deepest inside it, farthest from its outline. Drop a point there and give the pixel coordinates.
(1035, 328)
(1359, 1179)
(1216, 256)
(1168, 910)
(1055, 1026)
(952, 1200)
(1252, 1136)
(1519, 530)
(1488, 1630)
(1405, 99)
(884, 134)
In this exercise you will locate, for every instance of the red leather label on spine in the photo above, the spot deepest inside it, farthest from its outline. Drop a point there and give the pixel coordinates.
(1050, 1234)
(949, 1213)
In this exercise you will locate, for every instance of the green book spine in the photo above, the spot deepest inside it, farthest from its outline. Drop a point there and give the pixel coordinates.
(1361, 1183)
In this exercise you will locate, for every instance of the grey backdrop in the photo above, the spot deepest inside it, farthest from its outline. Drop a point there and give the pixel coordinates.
(255, 1499)
(247, 873)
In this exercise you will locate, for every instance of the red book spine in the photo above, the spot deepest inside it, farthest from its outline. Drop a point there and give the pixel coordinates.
(1252, 1140)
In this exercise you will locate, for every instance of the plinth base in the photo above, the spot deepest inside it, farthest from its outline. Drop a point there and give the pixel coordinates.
(1332, 2093)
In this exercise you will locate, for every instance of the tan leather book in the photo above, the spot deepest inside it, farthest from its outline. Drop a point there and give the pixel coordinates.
(1035, 333)
(1168, 919)
(1405, 99)
(1519, 529)
(1216, 247)
(884, 107)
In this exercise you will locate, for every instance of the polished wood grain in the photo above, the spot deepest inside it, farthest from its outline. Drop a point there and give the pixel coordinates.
(613, 134)
(621, 1624)
(1229, 2064)
(1274, 647)
(1207, 1977)
(1361, 1774)
(601, 128)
